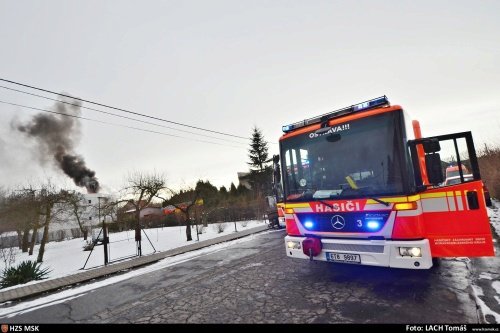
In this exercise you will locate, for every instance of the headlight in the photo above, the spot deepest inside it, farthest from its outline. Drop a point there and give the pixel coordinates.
(416, 252)
(293, 245)
(410, 251)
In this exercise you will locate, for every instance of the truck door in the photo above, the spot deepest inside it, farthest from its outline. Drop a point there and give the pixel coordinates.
(454, 213)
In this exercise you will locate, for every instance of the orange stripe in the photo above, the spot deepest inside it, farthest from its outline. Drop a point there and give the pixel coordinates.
(344, 119)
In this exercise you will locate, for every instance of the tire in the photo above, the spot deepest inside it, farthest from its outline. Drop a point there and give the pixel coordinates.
(436, 262)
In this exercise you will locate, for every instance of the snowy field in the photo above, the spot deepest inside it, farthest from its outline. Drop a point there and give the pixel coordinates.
(490, 279)
(67, 257)
(494, 214)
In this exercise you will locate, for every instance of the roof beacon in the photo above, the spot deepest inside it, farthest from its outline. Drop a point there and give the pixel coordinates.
(368, 105)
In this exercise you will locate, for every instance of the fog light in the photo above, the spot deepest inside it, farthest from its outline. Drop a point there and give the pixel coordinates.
(410, 251)
(293, 245)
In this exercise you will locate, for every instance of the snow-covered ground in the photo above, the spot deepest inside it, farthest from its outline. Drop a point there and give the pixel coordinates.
(67, 257)
(490, 281)
(494, 214)
(77, 291)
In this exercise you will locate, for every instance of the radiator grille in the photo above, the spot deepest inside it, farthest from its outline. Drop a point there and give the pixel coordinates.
(354, 247)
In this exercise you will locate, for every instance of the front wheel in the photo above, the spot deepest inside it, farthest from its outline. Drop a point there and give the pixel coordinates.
(436, 262)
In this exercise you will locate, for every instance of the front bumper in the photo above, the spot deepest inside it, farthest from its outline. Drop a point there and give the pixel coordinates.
(372, 252)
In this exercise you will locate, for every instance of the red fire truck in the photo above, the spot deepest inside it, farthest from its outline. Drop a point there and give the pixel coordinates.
(361, 185)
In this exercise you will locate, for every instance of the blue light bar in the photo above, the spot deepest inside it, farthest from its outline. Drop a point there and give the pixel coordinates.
(370, 104)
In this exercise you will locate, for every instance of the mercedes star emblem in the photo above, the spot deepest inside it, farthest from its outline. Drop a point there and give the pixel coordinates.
(338, 222)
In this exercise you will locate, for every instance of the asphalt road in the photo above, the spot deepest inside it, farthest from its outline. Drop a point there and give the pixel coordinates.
(254, 282)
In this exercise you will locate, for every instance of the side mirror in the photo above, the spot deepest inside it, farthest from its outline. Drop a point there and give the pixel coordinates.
(277, 188)
(431, 146)
(433, 166)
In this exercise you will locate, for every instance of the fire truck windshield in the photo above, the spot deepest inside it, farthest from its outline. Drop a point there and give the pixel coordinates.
(360, 158)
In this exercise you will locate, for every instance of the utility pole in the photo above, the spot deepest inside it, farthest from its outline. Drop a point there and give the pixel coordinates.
(105, 233)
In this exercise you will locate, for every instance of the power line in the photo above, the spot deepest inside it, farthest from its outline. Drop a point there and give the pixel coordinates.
(117, 115)
(122, 110)
(117, 125)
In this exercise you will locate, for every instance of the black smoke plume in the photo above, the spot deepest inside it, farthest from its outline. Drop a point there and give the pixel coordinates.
(56, 136)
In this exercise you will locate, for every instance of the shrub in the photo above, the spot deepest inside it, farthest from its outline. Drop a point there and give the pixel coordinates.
(61, 234)
(201, 229)
(489, 160)
(76, 233)
(25, 272)
(219, 227)
(89, 245)
(8, 256)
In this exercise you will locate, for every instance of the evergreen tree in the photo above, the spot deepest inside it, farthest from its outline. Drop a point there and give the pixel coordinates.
(208, 193)
(258, 151)
(223, 190)
(233, 190)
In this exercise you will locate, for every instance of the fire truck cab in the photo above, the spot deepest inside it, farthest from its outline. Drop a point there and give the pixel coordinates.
(361, 185)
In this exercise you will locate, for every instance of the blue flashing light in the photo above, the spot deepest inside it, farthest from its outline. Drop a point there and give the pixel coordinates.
(308, 224)
(373, 225)
(370, 104)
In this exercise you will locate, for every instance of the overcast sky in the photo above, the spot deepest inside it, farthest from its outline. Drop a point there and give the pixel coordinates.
(230, 65)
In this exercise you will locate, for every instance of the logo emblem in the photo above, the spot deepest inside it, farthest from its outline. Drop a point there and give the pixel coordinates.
(338, 222)
(5, 328)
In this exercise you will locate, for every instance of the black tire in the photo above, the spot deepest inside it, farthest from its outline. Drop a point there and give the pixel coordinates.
(436, 262)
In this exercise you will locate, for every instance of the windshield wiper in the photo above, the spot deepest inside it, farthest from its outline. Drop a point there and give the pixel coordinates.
(326, 204)
(353, 186)
(385, 203)
(374, 199)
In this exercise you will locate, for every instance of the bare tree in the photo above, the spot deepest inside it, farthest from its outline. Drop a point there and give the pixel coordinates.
(109, 209)
(141, 189)
(74, 200)
(19, 212)
(184, 201)
(52, 205)
(7, 251)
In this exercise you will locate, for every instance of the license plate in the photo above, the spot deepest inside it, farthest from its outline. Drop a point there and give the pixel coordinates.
(343, 257)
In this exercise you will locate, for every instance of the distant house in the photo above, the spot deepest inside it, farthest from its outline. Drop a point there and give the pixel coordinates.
(177, 208)
(150, 213)
(93, 202)
(91, 213)
(169, 209)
